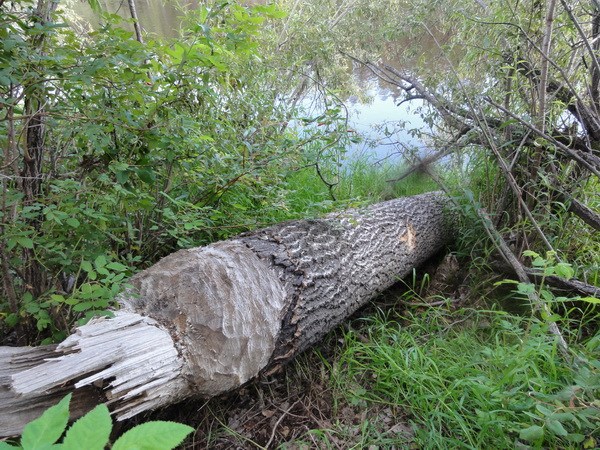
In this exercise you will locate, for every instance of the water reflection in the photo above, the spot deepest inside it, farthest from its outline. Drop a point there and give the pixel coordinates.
(156, 17)
(384, 126)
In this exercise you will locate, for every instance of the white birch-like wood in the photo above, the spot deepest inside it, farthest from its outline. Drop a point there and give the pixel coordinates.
(206, 320)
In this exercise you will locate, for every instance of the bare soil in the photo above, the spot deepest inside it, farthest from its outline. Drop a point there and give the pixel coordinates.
(302, 407)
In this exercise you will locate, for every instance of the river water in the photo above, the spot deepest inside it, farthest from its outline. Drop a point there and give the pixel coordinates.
(384, 126)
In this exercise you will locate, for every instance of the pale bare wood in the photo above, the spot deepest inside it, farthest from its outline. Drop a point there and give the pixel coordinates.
(206, 320)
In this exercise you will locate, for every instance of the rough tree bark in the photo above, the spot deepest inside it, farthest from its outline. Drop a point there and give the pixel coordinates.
(206, 320)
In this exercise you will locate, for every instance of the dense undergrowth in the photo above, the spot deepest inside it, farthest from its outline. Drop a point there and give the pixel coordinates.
(474, 379)
(147, 148)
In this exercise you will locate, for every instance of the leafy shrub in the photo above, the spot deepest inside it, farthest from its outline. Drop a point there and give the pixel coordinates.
(92, 432)
(145, 149)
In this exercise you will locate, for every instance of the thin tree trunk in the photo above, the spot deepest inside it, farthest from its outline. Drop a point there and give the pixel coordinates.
(9, 174)
(206, 320)
(136, 21)
(546, 44)
(35, 146)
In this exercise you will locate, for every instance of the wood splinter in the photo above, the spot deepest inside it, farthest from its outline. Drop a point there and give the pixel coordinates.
(206, 320)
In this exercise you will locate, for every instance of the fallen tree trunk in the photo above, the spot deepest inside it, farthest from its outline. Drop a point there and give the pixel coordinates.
(206, 320)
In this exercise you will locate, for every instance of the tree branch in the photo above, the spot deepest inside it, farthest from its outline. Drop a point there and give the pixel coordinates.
(582, 211)
(521, 273)
(569, 152)
(546, 43)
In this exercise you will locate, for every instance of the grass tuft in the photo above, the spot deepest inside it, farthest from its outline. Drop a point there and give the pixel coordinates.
(473, 379)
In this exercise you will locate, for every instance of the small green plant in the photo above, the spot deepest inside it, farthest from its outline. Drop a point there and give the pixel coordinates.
(92, 432)
(549, 266)
(474, 379)
(555, 309)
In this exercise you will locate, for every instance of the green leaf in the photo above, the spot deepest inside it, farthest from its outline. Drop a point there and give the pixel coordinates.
(525, 288)
(12, 319)
(46, 429)
(539, 262)
(11, 242)
(122, 176)
(7, 446)
(272, 11)
(147, 176)
(500, 283)
(545, 411)
(72, 222)
(86, 288)
(564, 270)
(157, 435)
(556, 427)
(575, 437)
(95, 5)
(91, 431)
(24, 241)
(57, 298)
(100, 261)
(592, 300)
(86, 266)
(116, 266)
(532, 434)
(82, 306)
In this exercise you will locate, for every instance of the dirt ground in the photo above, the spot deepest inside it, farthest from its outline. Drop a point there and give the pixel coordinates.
(297, 409)
(302, 407)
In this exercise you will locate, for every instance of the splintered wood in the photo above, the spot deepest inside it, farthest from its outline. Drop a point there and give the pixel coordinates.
(206, 320)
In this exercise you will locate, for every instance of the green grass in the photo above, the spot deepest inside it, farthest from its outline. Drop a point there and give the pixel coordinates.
(473, 379)
(362, 179)
(304, 195)
(463, 379)
(358, 182)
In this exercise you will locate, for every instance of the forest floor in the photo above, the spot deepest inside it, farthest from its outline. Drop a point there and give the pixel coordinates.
(300, 407)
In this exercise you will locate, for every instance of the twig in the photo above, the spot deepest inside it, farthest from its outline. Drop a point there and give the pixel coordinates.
(583, 36)
(513, 184)
(285, 413)
(136, 21)
(445, 151)
(519, 270)
(573, 154)
(572, 286)
(439, 302)
(545, 50)
(582, 211)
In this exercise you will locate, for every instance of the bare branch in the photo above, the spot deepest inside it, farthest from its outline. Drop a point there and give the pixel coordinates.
(570, 152)
(445, 151)
(588, 46)
(136, 21)
(521, 273)
(572, 286)
(547, 41)
(582, 211)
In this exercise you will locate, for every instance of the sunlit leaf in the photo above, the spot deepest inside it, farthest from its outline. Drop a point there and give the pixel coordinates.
(95, 5)
(90, 432)
(48, 428)
(156, 435)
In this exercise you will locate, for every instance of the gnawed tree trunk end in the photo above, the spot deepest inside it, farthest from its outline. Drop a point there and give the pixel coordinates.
(206, 320)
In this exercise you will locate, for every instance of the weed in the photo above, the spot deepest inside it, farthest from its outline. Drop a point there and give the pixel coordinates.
(474, 379)
(92, 432)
